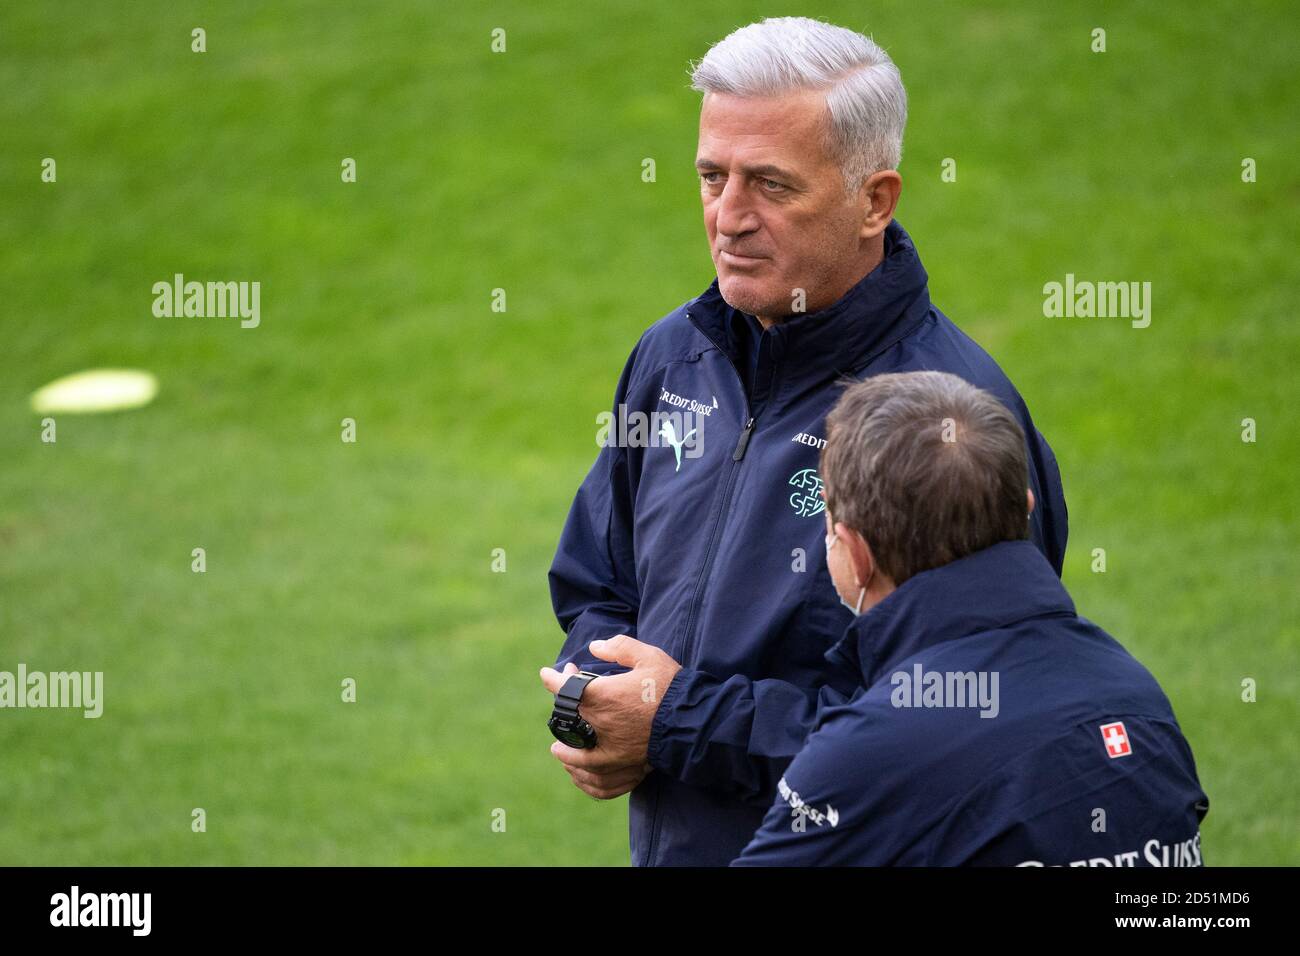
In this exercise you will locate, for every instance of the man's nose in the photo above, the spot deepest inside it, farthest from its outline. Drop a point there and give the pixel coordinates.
(735, 211)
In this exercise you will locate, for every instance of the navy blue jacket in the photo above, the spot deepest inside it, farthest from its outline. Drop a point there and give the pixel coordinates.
(1079, 762)
(719, 559)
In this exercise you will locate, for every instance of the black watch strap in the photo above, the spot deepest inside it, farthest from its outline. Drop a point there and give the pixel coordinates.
(570, 693)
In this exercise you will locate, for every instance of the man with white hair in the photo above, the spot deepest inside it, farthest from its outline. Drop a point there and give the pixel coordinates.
(696, 583)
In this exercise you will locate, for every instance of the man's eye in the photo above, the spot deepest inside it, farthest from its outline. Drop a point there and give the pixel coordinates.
(705, 177)
(772, 182)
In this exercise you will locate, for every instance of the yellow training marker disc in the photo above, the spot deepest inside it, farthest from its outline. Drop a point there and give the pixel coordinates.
(96, 390)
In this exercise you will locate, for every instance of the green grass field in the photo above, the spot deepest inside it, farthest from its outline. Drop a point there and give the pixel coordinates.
(521, 171)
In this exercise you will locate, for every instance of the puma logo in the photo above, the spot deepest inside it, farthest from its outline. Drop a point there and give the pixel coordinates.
(669, 434)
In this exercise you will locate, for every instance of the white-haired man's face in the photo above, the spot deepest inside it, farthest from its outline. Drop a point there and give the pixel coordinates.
(775, 207)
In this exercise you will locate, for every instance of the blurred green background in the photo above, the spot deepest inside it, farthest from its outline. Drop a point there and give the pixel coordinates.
(521, 171)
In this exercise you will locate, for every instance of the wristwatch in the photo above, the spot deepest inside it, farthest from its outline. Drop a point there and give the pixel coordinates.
(566, 723)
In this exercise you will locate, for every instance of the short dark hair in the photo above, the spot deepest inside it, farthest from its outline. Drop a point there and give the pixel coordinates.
(927, 468)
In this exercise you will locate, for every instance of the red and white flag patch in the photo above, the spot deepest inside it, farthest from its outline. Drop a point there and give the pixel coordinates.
(1115, 737)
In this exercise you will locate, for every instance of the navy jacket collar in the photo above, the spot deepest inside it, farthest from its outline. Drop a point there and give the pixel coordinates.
(885, 305)
(989, 589)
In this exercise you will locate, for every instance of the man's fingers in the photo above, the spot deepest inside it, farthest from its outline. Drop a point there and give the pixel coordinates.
(606, 786)
(625, 777)
(593, 759)
(621, 649)
(553, 680)
(575, 757)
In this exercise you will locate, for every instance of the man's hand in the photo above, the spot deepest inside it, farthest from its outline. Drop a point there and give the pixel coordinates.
(621, 709)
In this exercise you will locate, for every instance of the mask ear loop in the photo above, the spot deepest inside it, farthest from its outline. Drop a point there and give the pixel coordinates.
(831, 539)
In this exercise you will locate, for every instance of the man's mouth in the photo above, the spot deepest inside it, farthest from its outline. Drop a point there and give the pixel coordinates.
(736, 259)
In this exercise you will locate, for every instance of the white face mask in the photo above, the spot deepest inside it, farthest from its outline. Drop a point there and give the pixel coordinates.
(856, 609)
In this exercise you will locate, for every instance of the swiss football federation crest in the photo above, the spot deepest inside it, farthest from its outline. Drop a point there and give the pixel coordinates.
(806, 499)
(1116, 740)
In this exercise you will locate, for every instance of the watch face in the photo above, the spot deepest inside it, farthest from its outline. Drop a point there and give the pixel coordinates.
(565, 732)
(570, 737)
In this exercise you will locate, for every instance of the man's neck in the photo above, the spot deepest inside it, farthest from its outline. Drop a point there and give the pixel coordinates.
(875, 256)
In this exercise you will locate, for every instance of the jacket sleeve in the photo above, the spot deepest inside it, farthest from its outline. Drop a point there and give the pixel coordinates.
(737, 735)
(822, 812)
(781, 841)
(593, 576)
(778, 843)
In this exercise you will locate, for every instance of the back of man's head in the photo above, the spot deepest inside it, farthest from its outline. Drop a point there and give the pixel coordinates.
(927, 468)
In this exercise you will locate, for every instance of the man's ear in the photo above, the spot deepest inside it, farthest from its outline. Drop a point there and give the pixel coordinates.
(1030, 492)
(880, 194)
(860, 556)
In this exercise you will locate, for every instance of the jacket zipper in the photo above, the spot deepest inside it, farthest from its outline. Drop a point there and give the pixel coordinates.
(688, 632)
(741, 445)
(719, 521)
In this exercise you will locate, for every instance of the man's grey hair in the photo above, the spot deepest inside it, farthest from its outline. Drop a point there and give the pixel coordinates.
(865, 100)
(927, 468)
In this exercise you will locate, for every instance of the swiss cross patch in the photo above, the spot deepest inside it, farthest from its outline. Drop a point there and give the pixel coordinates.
(1116, 740)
